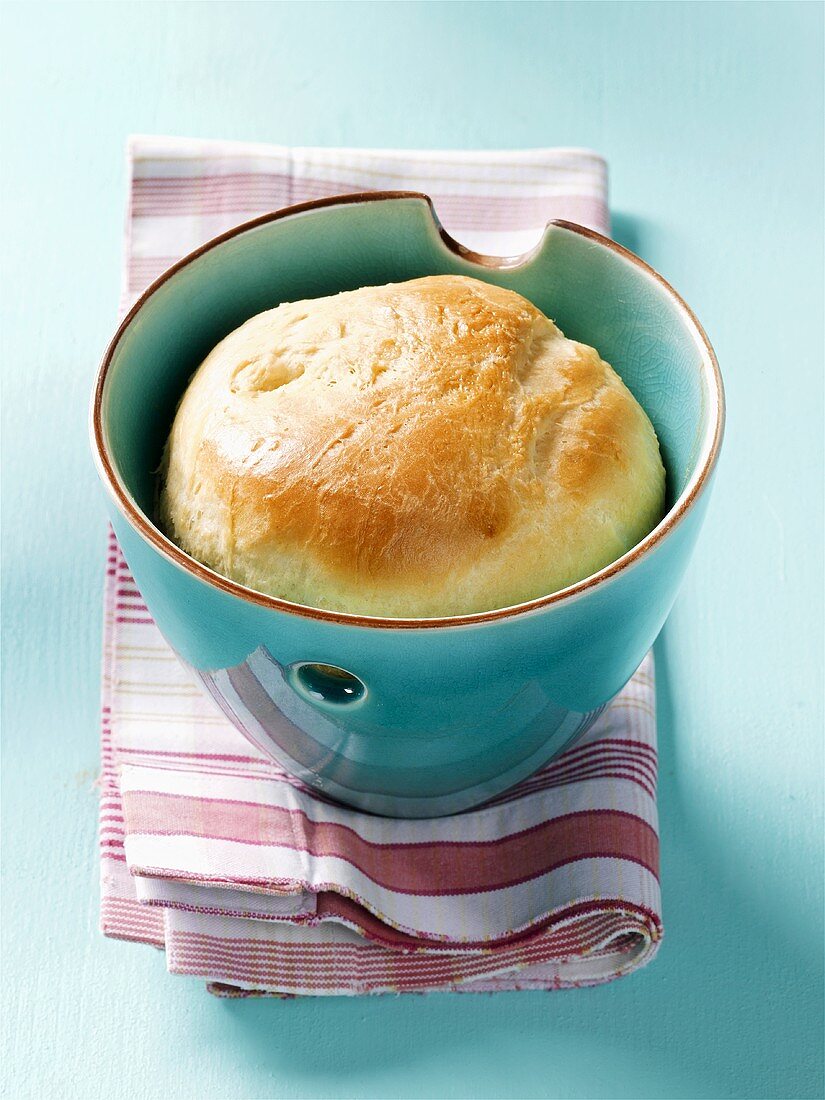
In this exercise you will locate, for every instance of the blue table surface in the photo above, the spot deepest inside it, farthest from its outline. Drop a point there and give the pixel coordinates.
(711, 117)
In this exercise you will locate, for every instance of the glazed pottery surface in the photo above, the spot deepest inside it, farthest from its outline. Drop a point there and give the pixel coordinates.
(407, 717)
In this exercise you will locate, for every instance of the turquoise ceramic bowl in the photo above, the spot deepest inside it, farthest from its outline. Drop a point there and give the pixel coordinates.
(407, 717)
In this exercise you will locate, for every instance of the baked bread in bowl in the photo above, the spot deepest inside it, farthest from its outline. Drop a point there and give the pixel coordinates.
(429, 448)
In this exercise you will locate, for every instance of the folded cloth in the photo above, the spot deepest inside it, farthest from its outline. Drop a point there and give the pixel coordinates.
(260, 885)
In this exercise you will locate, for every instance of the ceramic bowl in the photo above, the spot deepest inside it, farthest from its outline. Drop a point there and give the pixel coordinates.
(414, 717)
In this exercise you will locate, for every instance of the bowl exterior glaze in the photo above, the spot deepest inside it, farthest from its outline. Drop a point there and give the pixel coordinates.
(454, 711)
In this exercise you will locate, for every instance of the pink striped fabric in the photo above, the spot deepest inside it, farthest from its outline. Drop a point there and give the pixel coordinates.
(258, 885)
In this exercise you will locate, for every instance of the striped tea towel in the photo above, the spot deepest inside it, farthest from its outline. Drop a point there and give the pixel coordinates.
(252, 881)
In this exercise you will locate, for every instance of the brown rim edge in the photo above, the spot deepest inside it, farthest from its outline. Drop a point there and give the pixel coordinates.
(169, 550)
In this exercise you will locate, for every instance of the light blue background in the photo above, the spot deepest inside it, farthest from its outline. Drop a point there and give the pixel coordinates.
(711, 118)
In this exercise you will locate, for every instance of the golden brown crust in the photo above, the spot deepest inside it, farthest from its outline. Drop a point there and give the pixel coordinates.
(424, 448)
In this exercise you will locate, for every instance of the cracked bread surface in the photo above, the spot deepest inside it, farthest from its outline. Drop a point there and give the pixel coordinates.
(422, 449)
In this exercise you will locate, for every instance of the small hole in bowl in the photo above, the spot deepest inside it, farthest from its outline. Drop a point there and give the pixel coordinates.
(327, 683)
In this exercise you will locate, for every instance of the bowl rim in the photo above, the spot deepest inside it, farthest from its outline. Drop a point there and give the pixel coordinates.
(705, 463)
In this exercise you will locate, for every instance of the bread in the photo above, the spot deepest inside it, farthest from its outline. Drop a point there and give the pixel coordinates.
(423, 449)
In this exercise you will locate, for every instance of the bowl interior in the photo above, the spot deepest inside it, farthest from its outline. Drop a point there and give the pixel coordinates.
(594, 293)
